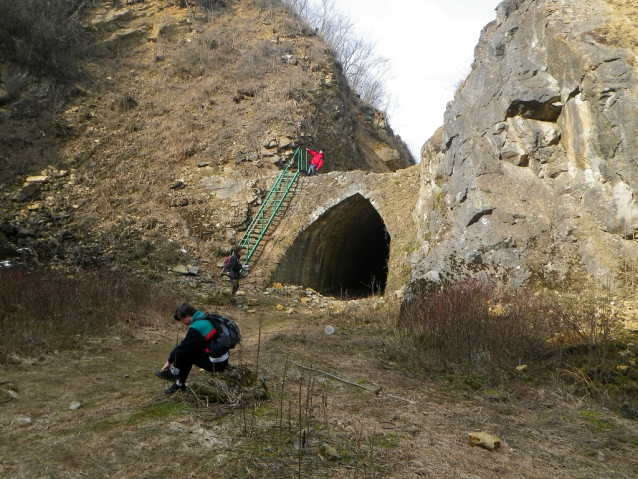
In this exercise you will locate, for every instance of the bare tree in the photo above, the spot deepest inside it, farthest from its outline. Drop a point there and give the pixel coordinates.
(300, 6)
(365, 71)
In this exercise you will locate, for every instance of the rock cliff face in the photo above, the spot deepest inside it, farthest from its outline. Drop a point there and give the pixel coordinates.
(533, 175)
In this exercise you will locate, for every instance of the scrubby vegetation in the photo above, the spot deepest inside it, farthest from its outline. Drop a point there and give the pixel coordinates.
(42, 312)
(42, 34)
(47, 36)
(476, 324)
(491, 334)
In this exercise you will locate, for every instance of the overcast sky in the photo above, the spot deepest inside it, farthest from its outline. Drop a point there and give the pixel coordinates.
(430, 44)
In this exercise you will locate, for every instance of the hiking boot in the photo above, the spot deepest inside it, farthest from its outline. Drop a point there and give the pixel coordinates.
(174, 388)
(168, 375)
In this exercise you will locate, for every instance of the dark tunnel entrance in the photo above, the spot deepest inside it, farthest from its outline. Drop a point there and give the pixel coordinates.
(343, 253)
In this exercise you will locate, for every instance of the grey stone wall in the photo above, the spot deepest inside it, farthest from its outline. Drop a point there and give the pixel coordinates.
(334, 204)
(532, 176)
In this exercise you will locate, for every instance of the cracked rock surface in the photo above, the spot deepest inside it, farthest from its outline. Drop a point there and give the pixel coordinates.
(532, 176)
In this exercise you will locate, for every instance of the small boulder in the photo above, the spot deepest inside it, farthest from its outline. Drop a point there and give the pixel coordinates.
(284, 143)
(22, 421)
(178, 184)
(180, 269)
(484, 440)
(37, 179)
(28, 193)
(7, 395)
(329, 452)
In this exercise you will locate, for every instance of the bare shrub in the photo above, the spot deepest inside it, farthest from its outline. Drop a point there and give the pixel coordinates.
(477, 324)
(262, 58)
(215, 48)
(266, 5)
(203, 4)
(44, 311)
(210, 5)
(42, 34)
(365, 71)
(591, 328)
(285, 17)
(481, 327)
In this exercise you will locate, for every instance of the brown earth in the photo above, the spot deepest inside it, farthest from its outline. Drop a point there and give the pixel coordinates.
(621, 30)
(126, 427)
(178, 124)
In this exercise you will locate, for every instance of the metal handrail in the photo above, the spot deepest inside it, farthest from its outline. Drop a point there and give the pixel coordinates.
(272, 203)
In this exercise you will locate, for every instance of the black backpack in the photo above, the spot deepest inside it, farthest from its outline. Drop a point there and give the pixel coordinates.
(228, 335)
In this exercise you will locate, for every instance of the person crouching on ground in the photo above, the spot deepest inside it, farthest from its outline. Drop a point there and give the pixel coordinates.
(316, 163)
(193, 350)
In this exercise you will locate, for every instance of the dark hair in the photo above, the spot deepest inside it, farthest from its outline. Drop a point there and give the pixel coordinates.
(184, 310)
(238, 248)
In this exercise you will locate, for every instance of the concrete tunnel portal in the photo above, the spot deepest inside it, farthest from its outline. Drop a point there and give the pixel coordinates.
(343, 253)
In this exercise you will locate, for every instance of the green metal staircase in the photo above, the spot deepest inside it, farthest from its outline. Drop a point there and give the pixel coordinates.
(273, 202)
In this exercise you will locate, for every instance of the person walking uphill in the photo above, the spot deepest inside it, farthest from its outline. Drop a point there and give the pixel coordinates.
(193, 350)
(316, 163)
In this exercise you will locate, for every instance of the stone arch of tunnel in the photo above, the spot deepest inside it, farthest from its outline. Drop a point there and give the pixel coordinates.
(344, 252)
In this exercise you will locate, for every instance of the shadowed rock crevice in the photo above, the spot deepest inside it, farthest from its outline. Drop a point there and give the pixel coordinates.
(536, 110)
(345, 251)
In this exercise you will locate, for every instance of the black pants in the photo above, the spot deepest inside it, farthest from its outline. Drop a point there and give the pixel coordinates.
(200, 359)
(234, 286)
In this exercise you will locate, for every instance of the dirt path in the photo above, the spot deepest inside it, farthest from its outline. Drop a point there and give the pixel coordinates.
(126, 427)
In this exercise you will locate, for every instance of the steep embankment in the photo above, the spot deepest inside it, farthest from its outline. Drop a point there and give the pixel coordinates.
(159, 154)
(533, 174)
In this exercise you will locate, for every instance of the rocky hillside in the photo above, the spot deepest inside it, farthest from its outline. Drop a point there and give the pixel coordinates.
(161, 146)
(158, 150)
(533, 175)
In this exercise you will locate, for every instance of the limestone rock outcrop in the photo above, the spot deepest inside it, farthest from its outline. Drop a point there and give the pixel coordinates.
(533, 175)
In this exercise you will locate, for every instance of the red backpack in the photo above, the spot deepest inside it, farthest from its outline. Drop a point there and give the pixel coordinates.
(226, 261)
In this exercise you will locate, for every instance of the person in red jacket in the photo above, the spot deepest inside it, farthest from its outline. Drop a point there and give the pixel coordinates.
(316, 163)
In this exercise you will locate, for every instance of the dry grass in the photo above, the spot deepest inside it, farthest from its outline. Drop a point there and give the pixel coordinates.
(43, 311)
(155, 111)
(312, 426)
(488, 335)
(46, 43)
(478, 325)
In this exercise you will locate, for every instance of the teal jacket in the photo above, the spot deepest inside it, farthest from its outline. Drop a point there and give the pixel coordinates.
(198, 336)
(202, 325)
